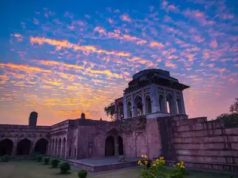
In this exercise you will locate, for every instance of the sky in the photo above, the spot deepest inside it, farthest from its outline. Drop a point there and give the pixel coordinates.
(62, 58)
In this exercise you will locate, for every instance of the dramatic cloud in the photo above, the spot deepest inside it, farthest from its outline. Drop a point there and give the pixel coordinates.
(63, 63)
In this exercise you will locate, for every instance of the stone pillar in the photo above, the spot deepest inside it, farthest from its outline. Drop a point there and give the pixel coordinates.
(32, 147)
(175, 109)
(125, 107)
(165, 102)
(154, 97)
(14, 149)
(143, 103)
(182, 103)
(55, 148)
(116, 146)
(133, 105)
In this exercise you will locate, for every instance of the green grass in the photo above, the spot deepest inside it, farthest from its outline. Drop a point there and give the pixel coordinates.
(31, 169)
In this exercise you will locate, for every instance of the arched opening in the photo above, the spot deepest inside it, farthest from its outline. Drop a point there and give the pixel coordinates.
(6, 147)
(24, 147)
(129, 109)
(169, 99)
(120, 145)
(120, 111)
(109, 146)
(41, 146)
(139, 106)
(161, 103)
(148, 105)
(59, 148)
(179, 106)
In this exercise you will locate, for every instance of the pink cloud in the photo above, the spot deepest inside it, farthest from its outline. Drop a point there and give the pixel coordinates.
(125, 17)
(214, 44)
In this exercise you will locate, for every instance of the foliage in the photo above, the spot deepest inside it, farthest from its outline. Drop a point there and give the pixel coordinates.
(158, 170)
(54, 162)
(39, 158)
(82, 173)
(234, 107)
(4, 158)
(110, 110)
(46, 160)
(64, 167)
(230, 120)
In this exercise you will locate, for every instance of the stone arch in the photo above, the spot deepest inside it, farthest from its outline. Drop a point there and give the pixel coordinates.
(120, 111)
(6, 147)
(24, 147)
(169, 99)
(148, 107)
(179, 106)
(109, 146)
(41, 146)
(138, 106)
(120, 145)
(141, 146)
(129, 109)
(63, 147)
(59, 147)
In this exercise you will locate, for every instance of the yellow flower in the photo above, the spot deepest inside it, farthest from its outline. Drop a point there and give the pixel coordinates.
(146, 162)
(153, 164)
(161, 157)
(139, 162)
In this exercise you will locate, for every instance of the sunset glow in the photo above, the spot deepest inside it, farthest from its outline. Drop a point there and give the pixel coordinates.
(64, 58)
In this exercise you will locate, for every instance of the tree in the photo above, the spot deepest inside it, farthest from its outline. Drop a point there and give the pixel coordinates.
(234, 107)
(230, 119)
(110, 110)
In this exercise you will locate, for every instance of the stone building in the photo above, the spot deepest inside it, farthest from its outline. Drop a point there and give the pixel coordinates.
(150, 119)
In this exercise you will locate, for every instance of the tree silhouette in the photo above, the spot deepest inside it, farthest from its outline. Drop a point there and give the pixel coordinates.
(234, 106)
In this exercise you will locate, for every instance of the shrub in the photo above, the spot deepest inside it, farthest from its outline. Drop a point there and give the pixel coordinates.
(46, 160)
(157, 169)
(54, 163)
(82, 173)
(39, 158)
(64, 167)
(4, 158)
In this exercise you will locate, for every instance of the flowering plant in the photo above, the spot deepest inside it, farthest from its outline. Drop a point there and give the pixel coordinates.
(158, 170)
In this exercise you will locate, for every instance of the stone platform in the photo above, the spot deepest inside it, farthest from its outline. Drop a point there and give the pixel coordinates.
(102, 164)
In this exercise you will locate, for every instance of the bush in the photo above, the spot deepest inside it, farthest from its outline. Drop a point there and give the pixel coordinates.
(54, 163)
(46, 160)
(82, 173)
(64, 167)
(39, 158)
(4, 158)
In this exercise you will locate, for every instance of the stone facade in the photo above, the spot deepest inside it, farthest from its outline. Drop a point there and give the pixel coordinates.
(154, 131)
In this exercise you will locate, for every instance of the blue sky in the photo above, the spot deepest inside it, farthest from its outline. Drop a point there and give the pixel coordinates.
(67, 57)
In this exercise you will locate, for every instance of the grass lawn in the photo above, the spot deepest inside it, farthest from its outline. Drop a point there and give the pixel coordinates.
(31, 169)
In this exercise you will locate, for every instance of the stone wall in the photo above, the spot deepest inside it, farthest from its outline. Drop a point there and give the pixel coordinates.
(200, 143)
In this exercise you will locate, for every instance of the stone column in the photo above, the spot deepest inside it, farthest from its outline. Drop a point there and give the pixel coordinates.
(125, 107)
(154, 97)
(132, 105)
(143, 103)
(175, 109)
(116, 146)
(165, 102)
(32, 147)
(14, 149)
(182, 103)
